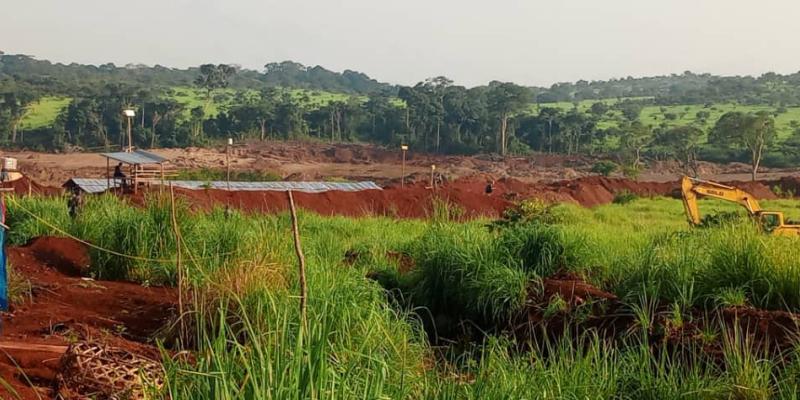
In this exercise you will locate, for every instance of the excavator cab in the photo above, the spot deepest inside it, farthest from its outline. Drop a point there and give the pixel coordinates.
(770, 220)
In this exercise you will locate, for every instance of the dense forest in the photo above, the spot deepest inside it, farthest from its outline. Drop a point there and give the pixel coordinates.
(684, 117)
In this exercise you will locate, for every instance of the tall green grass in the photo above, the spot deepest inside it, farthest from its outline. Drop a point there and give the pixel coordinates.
(244, 322)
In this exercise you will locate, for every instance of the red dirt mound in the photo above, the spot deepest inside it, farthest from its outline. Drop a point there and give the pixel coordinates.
(789, 185)
(63, 306)
(413, 201)
(64, 254)
(779, 327)
(416, 199)
(26, 186)
(572, 289)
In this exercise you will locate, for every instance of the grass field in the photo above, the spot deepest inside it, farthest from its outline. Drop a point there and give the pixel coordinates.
(364, 342)
(44, 112)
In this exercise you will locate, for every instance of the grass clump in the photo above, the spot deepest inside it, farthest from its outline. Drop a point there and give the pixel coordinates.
(624, 197)
(542, 249)
(52, 210)
(20, 288)
(460, 275)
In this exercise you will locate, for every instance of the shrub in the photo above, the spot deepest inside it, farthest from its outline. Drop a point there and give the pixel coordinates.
(529, 210)
(604, 167)
(631, 171)
(721, 219)
(624, 197)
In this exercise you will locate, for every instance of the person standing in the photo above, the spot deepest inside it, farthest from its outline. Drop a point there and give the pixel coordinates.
(489, 188)
(75, 203)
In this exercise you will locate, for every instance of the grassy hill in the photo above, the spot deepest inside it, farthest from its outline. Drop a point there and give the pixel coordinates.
(44, 112)
(683, 114)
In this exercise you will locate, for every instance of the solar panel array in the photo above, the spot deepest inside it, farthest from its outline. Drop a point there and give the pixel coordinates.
(100, 185)
(135, 157)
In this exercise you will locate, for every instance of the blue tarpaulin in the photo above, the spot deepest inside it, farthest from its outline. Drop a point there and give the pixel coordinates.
(3, 272)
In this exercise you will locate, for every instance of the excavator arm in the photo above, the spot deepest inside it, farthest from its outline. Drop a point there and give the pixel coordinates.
(692, 188)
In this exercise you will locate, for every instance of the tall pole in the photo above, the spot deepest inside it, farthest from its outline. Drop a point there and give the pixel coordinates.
(404, 148)
(130, 137)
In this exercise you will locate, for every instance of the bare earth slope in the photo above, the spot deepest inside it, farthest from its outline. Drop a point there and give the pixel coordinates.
(315, 161)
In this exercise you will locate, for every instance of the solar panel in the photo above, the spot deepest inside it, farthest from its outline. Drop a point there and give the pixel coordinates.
(91, 185)
(135, 157)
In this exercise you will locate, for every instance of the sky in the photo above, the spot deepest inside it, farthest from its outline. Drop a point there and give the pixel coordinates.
(530, 42)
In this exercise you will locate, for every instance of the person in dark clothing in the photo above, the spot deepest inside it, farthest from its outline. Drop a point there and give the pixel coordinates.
(119, 175)
(490, 188)
(75, 202)
(118, 171)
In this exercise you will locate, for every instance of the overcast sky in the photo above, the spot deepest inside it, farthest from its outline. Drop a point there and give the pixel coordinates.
(533, 42)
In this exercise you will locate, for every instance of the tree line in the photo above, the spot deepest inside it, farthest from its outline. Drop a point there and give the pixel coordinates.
(434, 115)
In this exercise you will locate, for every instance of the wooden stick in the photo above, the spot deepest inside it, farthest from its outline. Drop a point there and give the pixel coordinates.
(5, 345)
(300, 258)
(179, 268)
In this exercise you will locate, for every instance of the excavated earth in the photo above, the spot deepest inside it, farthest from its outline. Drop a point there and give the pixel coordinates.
(64, 307)
(418, 199)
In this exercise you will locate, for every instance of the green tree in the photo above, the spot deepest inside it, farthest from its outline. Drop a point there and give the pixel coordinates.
(750, 132)
(629, 109)
(197, 116)
(634, 138)
(681, 143)
(437, 87)
(599, 109)
(504, 100)
(15, 106)
(158, 111)
(213, 77)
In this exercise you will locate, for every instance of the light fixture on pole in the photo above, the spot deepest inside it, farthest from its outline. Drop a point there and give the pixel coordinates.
(404, 148)
(129, 113)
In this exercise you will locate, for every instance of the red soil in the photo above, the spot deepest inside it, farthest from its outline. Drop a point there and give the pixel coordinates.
(572, 289)
(25, 186)
(119, 313)
(415, 200)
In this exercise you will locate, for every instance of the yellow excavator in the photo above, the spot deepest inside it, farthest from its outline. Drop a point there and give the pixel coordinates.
(769, 221)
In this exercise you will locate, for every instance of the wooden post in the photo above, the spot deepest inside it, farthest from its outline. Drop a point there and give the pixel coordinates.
(108, 173)
(161, 186)
(178, 266)
(300, 259)
(228, 163)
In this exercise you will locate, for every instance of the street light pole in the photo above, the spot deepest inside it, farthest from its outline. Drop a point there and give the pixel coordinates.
(130, 114)
(404, 148)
